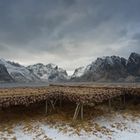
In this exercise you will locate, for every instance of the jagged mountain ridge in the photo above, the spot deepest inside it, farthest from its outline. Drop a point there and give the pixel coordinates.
(111, 68)
(18, 72)
(32, 73)
(49, 72)
(106, 69)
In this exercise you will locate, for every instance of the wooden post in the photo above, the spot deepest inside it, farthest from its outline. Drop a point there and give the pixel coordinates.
(52, 104)
(82, 113)
(120, 102)
(46, 110)
(124, 101)
(60, 102)
(76, 111)
(55, 101)
(109, 103)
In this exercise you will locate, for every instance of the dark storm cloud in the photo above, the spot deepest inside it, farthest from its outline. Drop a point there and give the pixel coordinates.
(59, 31)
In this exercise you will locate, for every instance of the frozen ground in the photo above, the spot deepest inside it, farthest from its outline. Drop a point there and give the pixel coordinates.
(117, 128)
(116, 125)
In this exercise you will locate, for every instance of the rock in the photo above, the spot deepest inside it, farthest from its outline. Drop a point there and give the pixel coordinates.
(4, 75)
(133, 64)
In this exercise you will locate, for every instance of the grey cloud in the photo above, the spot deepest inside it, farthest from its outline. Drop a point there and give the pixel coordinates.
(136, 36)
(68, 30)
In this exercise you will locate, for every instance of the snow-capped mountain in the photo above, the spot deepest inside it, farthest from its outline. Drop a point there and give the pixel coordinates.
(110, 68)
(107, 69)
(49, 72)
(78, 72)
(18, 72)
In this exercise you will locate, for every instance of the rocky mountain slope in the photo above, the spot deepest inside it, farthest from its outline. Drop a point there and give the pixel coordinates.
(4, 75)
(33, 73)
(49, 72)
(110, 68)
(133, 64)
(78, 72)
(18, 72)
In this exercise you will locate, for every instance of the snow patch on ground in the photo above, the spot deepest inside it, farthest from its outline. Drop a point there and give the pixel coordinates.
(122, 129)
(113, 126)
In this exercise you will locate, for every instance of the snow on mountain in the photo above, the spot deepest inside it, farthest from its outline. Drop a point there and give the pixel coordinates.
(106, 61)
(106, 68)
(18, 72)
(78, 72)
(49, 72)
(110, 68)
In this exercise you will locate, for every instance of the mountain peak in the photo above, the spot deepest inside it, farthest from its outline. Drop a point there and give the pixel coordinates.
(49, 72)
(105, 68)
(51, 65)
(40, 64)
(134, 54)
(133, 64)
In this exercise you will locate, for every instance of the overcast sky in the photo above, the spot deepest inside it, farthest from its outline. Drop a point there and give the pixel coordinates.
(69, 33)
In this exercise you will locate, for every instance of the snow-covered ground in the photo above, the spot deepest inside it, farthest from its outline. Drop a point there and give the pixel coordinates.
(117, 125)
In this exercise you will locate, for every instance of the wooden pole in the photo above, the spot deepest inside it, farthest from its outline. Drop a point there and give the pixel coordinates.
(60, 102)
(76, 111)
(55, 102)
(46, 110)
(82, 113)
(52, 104)
(124, 101)
(109, 103)
(120, 100)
